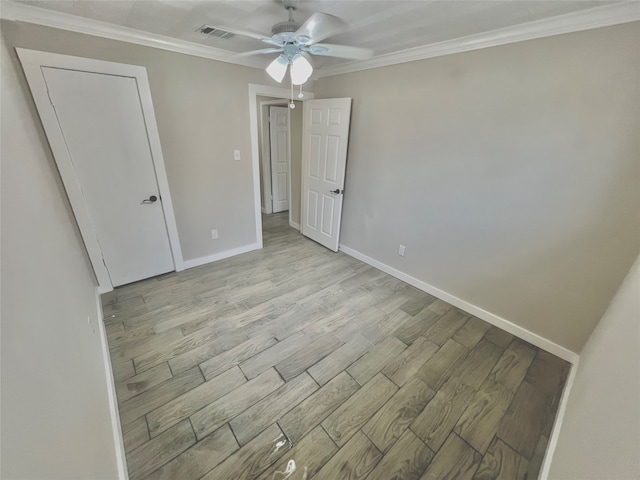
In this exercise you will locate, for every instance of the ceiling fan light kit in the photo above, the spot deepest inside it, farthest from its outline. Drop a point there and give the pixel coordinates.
(297, 43)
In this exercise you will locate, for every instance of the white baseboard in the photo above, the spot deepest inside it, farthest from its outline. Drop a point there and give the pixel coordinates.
(557, 424)
(489, 317)
(293, 224)
(196, 262)
(264, 210)
(121, 458)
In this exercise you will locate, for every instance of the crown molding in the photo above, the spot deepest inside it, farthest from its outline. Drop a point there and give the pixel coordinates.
(26, 13)
(614, 14)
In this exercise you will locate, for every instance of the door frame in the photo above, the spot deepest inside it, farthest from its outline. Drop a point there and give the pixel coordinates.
(256, 90)
(32, 61)
(266, 153)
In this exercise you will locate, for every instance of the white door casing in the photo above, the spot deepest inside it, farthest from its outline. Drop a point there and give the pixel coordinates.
(324, 158)
(280, 157)
(71, 84)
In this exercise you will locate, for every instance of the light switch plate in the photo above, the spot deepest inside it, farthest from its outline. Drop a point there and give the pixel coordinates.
(236, 154)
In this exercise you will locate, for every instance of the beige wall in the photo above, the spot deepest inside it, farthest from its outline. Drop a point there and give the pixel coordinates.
(600, 434)
(55, 415)
(202, 112)
(510, 174)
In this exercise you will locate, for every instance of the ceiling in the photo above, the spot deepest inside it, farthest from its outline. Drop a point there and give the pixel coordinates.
(384, 26)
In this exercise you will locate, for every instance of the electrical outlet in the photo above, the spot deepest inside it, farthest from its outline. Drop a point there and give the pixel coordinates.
(401, 249)
(214, 234)
(236, 154)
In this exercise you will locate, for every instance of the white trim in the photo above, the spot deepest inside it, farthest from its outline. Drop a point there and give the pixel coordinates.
(481, 313)
(607, 15)
(294, 225)
(256, 90)
(49, 18)
(121, 457)
(32, 61)
(557, 424)
(196, 262)
(264, 210)
(266, 153)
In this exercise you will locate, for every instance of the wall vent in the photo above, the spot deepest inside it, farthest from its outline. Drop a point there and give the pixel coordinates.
(215, 32)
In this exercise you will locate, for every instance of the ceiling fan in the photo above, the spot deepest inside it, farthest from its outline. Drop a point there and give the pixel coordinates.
(296, 43)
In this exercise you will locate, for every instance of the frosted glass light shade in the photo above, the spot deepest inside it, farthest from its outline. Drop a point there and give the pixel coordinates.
(278, 68)
(301, 68)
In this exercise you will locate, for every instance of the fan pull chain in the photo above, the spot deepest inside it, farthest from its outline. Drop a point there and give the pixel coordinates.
(292, 105)
(300, 95)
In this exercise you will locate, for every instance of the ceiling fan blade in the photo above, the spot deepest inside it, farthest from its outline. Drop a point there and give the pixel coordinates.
(318, 27)
(342, 51)
(247, 33)
(260, 52)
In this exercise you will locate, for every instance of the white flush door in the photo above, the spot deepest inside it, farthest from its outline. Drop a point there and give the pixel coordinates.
(279, 140)
(103, 125)
(324, 158)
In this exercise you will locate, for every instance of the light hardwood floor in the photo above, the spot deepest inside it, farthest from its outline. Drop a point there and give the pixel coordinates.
(297, 356)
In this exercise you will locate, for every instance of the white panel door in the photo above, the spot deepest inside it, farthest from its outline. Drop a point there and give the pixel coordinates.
(324, 159)
(279, 141)
(102, 121)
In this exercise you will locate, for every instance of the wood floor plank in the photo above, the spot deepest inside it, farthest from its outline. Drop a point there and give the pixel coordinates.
(159, 395)
(455, 461)
(298, 362)
(235, 356)
(272, 407)
(413, 327)
(434, 371)
(390, 422)
(535, 463)
(343, 423)
(407, 460)
(498, 336)
(339, 359)
(375, 360)
(122, 369)
(440, 307)
(191, 350)
(522, 424)
(471, 332)
(513, 365)
(219, 412)
(438, 418)
(139, 383)
(255, 457)
(417, 304)
(547, 372)
(312, 411)
(266, 359)
(135, 434)
(158, 451)
(308, 456)
(408, 363)
(354, 461)
(190, 402)
(199, 459)
(446, 326)
(480, 420)
(472, 369)
(502, 463)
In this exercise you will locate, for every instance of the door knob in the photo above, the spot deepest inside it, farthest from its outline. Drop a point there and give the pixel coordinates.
(151, 199)
(337, 191)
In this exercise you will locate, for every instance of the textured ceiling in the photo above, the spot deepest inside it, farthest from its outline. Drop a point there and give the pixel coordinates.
(384, 26)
